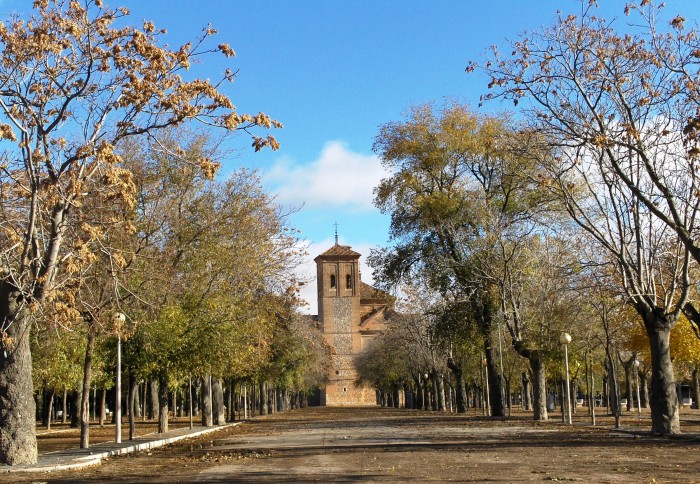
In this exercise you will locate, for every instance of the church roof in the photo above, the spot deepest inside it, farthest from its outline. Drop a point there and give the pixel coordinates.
(340, 251)
(372, 294)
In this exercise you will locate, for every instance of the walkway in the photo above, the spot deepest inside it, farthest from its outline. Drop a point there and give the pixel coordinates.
(79, 458)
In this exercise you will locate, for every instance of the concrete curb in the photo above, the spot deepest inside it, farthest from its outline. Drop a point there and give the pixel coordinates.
(80, 462)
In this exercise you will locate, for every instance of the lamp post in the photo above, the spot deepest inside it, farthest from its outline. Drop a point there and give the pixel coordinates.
(635, 365)
(118, 320)
(565, 339)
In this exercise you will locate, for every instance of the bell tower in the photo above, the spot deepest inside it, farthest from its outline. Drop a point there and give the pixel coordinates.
(338, 281)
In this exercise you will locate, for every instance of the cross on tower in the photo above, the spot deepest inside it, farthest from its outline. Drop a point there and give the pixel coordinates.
(336, 233)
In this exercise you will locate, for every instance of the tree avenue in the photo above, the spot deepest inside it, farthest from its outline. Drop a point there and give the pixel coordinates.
(74, 83)
(616, 113)
(585, 208)
(577, 214)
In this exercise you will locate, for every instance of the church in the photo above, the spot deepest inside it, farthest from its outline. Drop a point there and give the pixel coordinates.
(351, 314)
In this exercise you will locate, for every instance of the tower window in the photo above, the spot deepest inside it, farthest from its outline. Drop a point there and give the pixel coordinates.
(348, 281)
(332, 281)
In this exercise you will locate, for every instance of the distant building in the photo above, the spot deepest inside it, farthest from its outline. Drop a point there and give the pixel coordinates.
(351, 313)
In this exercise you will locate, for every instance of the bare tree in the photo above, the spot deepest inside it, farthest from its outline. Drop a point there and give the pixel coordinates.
(611, 109)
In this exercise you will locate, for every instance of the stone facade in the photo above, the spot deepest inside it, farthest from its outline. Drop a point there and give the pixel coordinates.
(350, 315)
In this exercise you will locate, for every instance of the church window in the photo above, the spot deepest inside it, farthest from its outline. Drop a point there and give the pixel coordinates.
(348, 281)
(332, 281)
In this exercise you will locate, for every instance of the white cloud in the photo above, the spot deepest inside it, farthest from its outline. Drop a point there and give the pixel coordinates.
(307, 271)
(339, 177)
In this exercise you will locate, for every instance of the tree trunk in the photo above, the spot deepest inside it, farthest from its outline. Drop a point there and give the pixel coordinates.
(103, 406)
(64, 406)
(133, 404)
(17, 406)
(197, 385)
(263, 398)
(435, 400)
(508, 395)
(155, 405)
(137, 400)
(696, 387)
(76, 404)
(280, 400)
(270, 399)
(40, 405)
(461, 396)
(49, 409)
(613, 389)
(539, 392)
(628, 383)
(442, 406)
(233, 401)
(486, 309)
(85, 397)
(183, 402)
(526, 403)
(664, 404)
(144, 409)
(606, 393)
(218, 402)
(206, 406)
(190, 400)
(426, 394)
(563, 401)
(495, 394)
(418, 399)
(163, 404)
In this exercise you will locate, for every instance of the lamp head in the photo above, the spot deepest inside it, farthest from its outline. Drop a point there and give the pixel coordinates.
(565, 338)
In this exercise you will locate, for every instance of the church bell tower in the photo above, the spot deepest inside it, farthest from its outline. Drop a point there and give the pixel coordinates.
(338, 280)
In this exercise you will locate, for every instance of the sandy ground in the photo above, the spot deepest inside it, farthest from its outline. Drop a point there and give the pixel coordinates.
(380, 445)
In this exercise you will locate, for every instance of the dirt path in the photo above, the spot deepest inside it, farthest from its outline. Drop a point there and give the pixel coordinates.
(379, 445)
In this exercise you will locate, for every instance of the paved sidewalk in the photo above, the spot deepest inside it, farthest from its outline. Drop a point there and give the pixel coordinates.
(79, 458)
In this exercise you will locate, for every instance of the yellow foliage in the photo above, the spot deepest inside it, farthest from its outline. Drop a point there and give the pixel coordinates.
(685, 345)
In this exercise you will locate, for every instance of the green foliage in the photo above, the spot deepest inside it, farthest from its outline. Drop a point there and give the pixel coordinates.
(217, 257)
(58, 358)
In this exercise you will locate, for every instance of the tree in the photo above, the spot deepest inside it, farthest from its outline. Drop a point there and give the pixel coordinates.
(537, 303)
(462, 202)
(72, 85)
(56, 357)
(613, 109)
(217, 258)
(384, 365)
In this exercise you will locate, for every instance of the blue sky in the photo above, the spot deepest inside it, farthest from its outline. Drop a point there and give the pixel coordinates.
(332, 72)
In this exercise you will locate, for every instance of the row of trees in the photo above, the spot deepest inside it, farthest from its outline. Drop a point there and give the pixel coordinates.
(425, 361)
(107, 205)
(205, 278)
(579, 216)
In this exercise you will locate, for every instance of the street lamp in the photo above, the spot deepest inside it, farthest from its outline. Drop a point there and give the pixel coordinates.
(565, 339)
(118, 320)
(635, 365)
